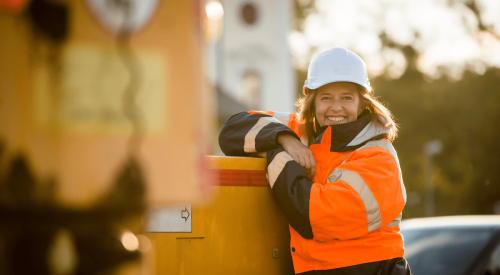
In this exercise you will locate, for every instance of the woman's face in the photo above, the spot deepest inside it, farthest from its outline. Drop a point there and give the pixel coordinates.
(337, 103)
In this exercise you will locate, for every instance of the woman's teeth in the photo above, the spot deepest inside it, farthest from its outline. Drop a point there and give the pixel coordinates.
(336, 118)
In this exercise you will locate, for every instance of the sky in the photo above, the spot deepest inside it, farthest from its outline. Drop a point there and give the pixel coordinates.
(448, 39)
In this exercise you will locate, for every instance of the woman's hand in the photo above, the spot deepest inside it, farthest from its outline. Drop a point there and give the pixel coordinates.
(299, 152)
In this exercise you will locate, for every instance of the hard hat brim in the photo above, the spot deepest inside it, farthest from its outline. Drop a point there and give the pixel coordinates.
(316, 85)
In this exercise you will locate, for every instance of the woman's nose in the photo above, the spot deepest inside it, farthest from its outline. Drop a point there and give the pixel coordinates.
(336, 106)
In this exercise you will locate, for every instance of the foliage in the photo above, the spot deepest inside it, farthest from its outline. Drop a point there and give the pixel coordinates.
(463, 115)
(302, 8)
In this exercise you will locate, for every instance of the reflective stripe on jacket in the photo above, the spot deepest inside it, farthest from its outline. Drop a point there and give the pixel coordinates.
(349, 214)
(246, 133)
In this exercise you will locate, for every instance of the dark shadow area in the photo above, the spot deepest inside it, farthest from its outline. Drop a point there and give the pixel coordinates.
(30, 224)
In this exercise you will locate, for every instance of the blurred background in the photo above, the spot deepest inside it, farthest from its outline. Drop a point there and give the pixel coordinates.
(108, 107)
(434, 64)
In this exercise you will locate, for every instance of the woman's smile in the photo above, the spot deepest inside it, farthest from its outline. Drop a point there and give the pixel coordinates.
(336, 118)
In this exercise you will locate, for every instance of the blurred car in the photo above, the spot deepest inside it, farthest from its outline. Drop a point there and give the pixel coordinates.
(453, 245)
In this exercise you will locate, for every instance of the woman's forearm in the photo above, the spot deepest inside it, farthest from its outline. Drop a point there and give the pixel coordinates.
(245, 134)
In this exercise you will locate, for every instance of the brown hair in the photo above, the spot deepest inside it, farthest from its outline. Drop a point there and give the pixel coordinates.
(378, 113)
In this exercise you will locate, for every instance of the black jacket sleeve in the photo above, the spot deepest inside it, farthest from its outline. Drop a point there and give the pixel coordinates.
(244, 134)
(291, 190)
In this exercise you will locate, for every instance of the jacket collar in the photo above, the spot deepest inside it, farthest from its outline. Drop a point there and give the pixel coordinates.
(351, 135)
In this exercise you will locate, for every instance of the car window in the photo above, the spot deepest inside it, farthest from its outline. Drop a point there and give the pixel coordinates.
(493, 266)
(443, 250)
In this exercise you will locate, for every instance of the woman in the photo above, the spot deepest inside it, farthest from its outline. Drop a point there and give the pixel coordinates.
(346, 219)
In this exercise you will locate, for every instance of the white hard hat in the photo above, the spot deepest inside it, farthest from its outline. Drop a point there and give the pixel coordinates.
(336, 65)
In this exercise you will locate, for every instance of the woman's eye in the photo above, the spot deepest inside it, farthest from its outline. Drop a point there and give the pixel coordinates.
(325, 98)
(347, 97)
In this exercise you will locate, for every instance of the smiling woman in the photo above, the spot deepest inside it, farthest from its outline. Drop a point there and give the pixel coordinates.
(332, 169)
(343, 73)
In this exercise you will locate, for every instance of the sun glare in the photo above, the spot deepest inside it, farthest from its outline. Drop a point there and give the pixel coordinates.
(214, 10)
(438, 31)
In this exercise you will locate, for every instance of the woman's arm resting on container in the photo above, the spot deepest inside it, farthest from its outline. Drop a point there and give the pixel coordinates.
(363, 196)
(245, 134)
(251, 133)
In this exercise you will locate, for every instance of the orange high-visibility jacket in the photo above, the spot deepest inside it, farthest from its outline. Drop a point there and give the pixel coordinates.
(349, 214)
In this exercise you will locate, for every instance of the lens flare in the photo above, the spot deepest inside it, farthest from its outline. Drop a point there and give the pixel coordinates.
(130, 241)
(144, 243)
(214, 10)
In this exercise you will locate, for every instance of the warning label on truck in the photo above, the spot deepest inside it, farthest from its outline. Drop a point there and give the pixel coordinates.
(175, 219)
